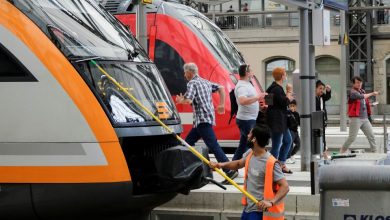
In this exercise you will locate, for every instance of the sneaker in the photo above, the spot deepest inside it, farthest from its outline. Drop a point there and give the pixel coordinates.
(290, 160)
(231, 174)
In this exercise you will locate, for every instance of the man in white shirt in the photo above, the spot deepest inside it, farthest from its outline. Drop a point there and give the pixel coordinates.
(248, 107)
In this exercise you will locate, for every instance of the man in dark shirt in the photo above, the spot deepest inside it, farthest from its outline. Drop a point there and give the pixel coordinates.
(321, 98)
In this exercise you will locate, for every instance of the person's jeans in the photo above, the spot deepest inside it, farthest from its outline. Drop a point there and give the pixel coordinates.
(245, 127)
(281, 143)
(206, 132)
(251, 215)
(295, 140)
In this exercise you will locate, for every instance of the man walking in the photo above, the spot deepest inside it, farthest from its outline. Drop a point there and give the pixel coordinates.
(321, 98)
(359, 110)
(199, 95)
(248, 107)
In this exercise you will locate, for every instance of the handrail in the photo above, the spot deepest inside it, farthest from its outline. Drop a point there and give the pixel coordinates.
(260, 19)
(250, 13)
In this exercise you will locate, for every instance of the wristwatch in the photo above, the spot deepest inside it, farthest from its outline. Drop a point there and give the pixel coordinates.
(272, 203)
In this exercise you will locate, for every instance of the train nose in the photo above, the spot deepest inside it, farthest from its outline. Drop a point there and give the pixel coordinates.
(180, 170)
(162, 165)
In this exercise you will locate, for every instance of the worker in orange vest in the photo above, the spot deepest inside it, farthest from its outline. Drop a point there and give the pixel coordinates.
(263, 178)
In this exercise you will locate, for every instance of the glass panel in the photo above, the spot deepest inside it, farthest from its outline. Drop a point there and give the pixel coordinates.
(142, 81)
(219, 41)
(11, 70)
(170, 64)
(82, 29)
(328, 70)
(9, 67)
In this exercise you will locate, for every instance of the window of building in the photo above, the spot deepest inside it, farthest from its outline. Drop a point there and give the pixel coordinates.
(11, 69)
(328, 71)
(287, 64)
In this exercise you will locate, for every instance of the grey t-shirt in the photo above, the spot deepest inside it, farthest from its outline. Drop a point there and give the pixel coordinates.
(256, 176)
(246, 112)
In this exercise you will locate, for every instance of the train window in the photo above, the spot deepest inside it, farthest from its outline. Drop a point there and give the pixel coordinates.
(219, 42)
(141, 80)
(170, 64)
(11, 69)
(82, 29)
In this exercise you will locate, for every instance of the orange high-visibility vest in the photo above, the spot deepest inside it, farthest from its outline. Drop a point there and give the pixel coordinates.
(275, 212)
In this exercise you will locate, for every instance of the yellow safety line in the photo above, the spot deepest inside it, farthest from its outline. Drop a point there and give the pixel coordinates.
(193, 150)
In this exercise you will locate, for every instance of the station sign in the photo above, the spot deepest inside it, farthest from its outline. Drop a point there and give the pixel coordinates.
(321, 27)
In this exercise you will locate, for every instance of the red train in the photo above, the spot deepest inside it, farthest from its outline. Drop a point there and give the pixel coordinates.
(178, 34)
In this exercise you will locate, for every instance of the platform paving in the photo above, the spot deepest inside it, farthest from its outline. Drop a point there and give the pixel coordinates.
(213, 203)
(334, 139)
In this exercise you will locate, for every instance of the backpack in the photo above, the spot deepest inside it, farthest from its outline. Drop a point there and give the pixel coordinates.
(233, 105)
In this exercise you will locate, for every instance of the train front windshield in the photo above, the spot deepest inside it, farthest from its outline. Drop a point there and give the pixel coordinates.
(219, 41)
(84, 31)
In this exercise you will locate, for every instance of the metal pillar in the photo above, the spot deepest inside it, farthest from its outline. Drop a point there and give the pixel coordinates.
(312, 66)
(141, 26)
(385, 136)
(263, 15)
(305, 89)
(343, 73)
(214, 13)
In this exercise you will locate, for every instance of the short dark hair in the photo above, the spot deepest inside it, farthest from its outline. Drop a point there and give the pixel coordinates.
(262, 134)
(358, 78)
(243, 69)
(293, 102)
(319, 83)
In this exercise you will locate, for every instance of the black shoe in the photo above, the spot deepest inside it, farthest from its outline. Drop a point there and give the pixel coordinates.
(286, 170)
(231, 174)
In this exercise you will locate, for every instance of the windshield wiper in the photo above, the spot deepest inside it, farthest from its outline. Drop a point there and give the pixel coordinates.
(79, 59)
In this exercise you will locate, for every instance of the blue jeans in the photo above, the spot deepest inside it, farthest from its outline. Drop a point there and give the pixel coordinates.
(251, 215)
(245, 127)
(281, 143)
(295, 143)
(206, 132)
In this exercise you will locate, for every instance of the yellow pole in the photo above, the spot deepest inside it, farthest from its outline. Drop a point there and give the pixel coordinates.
(193, 150)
